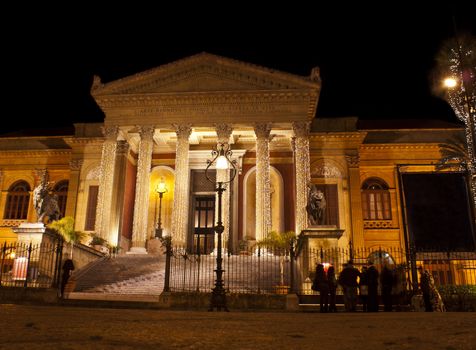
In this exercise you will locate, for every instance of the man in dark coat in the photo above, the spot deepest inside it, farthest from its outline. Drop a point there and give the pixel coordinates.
(68, 268)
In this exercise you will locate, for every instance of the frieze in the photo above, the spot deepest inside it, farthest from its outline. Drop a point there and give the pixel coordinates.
(220, 102)
(327, 171)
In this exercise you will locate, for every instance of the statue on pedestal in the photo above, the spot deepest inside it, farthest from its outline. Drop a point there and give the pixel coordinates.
(316, 206)
(45, 203)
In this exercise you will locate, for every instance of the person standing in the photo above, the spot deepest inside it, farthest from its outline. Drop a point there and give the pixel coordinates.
(321, 281)
(386, 280)
(364, 288)
(348, 281)
(372, 282)
(332, 282)
(68, 268)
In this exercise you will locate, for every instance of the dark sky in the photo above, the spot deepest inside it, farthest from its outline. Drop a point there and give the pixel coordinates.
(375, 62)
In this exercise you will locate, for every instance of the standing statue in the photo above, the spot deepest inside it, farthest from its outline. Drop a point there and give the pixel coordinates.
(316, 206)
(45, 203)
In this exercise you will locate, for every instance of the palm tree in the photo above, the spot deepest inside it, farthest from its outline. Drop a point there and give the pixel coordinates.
(454, 155)
(65, 227)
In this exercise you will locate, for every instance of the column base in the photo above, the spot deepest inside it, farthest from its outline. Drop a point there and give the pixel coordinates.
(137, 250)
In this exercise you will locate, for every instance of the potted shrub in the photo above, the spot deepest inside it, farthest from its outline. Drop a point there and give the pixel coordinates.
(98, 242)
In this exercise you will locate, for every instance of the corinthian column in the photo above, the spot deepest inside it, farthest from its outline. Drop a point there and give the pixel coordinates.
(302, 171)
(141, 204)
(224, 132)
(106, 180)
(263, 187)
(181, 195)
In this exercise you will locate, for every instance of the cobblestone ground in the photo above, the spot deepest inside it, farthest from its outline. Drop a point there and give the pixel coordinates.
(42, 327)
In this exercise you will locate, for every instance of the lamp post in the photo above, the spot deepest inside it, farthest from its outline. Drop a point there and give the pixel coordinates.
(221, 161)
(160, 189)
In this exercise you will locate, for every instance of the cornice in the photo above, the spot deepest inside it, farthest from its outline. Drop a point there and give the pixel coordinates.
(33, 153)
(400, 147)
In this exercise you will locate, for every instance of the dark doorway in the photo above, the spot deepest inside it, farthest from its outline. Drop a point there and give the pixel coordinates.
(203, 232)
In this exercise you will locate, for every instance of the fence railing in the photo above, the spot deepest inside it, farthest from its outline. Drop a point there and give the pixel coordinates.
(257, 271)
(274, 271)
(30, 265)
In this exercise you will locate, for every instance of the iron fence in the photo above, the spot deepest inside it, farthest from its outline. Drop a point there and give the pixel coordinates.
(30, 265)
(273, 271)
(256, 271)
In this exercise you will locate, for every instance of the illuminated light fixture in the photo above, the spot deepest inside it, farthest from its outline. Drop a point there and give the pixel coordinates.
(450, 82)
(221, 161)
(160, 189)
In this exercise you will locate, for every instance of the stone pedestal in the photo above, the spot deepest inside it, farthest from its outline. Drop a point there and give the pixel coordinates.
(30, 232)
(323, 236)
(318, 245)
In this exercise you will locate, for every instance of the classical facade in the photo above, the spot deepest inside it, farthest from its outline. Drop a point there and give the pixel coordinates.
(161, 125)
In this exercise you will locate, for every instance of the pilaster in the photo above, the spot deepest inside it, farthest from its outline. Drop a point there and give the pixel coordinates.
(355, 201)
(73, 187)
(119, 190)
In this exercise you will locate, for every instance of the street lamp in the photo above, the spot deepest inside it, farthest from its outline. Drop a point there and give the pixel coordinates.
(221, 161)
(160, 189)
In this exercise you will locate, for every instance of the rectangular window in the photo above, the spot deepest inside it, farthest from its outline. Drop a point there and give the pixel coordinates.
(91, 209)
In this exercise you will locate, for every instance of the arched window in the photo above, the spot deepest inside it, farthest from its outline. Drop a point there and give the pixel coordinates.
(61, 190)
(376, 200)
(18, 199)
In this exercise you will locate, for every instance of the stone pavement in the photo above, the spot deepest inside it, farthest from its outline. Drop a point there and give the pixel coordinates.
(52, 327)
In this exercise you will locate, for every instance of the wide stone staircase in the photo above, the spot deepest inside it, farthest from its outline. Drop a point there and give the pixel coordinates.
(123, 278)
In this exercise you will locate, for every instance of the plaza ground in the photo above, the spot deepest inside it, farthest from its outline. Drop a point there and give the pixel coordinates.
(53, 327)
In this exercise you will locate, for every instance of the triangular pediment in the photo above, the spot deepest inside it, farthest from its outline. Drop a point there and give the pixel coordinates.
(205, 73)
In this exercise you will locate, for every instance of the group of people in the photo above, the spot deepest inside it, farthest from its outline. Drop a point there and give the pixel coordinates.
(357, 283)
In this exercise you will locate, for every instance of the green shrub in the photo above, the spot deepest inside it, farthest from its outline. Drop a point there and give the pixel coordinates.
(458, 297)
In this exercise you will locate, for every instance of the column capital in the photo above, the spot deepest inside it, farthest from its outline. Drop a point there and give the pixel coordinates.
(183, 131)
(262, 130)
(110, 132)
(352, 160)
(122, 147)
(146, 131)
(223, 132)
(301, 129)
(75, 164)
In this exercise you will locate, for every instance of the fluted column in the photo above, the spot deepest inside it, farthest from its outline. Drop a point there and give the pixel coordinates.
(263, 181)
(181, 195)
(224, 132)
(73, 186)
(106, 180)
(302, 172)
(141, 204)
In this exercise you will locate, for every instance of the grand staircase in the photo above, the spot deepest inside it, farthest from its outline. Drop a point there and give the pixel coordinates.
(125, 277)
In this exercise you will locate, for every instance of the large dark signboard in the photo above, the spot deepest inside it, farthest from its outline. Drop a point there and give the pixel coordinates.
(438, 213)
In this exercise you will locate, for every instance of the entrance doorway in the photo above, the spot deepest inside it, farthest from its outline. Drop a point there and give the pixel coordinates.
(204, 218)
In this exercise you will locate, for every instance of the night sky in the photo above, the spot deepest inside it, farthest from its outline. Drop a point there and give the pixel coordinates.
(375, 62)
